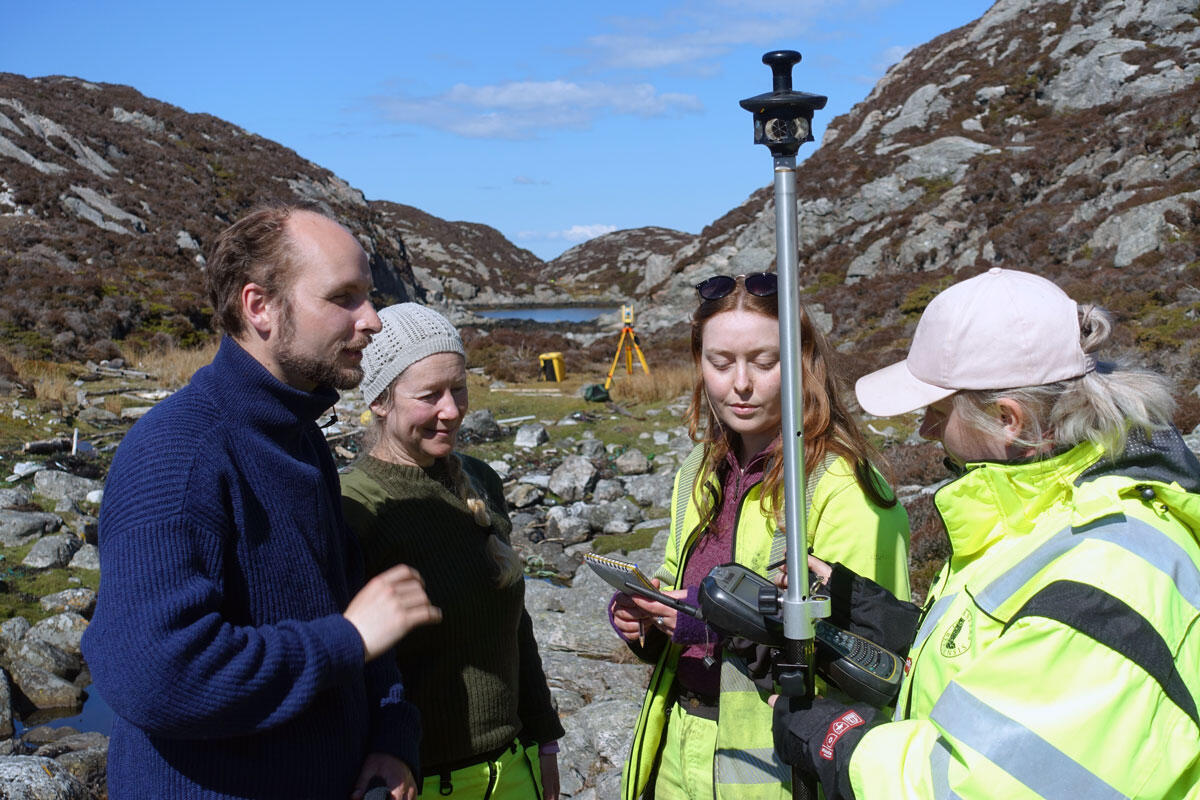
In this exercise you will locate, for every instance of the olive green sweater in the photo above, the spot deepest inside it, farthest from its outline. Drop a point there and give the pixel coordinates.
(476, 677)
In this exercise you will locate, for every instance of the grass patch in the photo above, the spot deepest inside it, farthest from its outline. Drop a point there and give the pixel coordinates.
(172, 367)
(21, 587)
(662, 385)
(623, 542)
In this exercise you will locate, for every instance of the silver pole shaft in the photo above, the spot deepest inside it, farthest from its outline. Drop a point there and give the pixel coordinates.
(797, 618)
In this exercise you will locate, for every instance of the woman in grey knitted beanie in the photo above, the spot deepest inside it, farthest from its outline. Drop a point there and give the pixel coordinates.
(490, 728)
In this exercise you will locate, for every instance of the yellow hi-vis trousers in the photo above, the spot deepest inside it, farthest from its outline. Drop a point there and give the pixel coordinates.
(515, 774)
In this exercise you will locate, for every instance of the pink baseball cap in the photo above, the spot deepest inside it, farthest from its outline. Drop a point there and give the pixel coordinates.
(1004, 329)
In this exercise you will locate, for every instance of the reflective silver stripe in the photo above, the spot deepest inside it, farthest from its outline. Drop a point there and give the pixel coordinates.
(754, 765)
(735, 675)
(939, 771)
(1142, 540)
(1017, 750)
(939, 609)
(931, 620)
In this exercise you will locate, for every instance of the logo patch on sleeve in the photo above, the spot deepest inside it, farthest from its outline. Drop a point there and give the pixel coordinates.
(961, 635)
(837, 729)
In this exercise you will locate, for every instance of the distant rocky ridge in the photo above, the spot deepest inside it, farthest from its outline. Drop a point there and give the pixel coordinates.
(1054, 136)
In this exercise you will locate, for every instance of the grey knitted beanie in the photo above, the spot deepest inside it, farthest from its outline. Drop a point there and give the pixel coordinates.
(410, 332)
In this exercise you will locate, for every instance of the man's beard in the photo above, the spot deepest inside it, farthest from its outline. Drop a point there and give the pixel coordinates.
(322, 372)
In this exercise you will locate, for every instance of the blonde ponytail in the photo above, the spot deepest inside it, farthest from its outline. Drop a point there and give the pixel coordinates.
(509, 568)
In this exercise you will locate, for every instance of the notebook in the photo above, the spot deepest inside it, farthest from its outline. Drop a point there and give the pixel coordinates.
(617, 573)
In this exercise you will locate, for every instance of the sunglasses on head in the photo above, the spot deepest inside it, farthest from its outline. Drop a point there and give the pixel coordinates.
(759, 284)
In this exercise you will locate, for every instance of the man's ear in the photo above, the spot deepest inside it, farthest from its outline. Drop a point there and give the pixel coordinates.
(257, 309)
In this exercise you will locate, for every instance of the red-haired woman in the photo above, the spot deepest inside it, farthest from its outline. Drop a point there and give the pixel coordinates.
(730, 489)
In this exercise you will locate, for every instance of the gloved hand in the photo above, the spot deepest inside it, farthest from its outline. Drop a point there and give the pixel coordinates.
(862, 606)
(820, 739)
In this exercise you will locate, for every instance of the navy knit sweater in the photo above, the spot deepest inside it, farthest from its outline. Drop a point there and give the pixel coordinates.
(218, 638)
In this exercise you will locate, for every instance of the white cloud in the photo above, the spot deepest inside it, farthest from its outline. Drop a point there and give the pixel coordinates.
(701, 32)
(525, 180)
(574, 234)
(523, 109)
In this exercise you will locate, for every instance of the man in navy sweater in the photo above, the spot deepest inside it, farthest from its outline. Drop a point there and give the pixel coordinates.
(234, 638)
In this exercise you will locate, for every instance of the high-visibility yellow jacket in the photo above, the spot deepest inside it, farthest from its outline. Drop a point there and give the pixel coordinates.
(843, 525)
(1059, 654)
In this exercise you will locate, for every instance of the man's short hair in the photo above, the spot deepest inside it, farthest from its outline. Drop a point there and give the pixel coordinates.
(255, 249)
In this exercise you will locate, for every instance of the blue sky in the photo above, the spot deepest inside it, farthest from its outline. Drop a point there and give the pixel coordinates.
(550, 121)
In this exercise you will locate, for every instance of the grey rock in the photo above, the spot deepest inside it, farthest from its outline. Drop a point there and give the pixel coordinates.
(607, 489)
(134, 412)
(947, 157)
(569, 530)
(592, 448)
(19, 527)
(651, 490)
(1142, 229)
(603, 515)
(57, 485)
(574, 478)
(64, 631)
(80, 600)
(661, 437)
(18, 496)
(920, 107)
(523, 495)
(531, 435)
(98, 416)
(52, 551)
(66, 505)
(86, 557)
(43, 688)
(72, 742)
(574, 619)
(37, 653)
(632, 462)
(1096, 78)
(482, 426)
(6, 710)
(89, 767)
(538, 479)
(597, 740)
(13, 630)
(43, 734)
(38, 778)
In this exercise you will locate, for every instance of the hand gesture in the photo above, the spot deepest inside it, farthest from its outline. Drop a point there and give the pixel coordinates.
(388, 607)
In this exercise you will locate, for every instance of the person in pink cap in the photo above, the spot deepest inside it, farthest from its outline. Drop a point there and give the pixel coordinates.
(1058, 654)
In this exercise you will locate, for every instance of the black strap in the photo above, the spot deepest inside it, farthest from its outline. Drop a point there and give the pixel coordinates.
(1114, 624)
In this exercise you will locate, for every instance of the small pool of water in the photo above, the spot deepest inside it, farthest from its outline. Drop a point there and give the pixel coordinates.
(95, 716)
(550, 313)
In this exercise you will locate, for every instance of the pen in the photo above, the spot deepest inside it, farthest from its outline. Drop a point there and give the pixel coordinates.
(777, 564)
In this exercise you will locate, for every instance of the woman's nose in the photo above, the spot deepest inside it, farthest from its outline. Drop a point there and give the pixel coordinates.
(741, 379)
(448, 408)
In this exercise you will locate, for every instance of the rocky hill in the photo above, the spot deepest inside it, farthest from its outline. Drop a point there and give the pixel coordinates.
(1059, 137)
(464, 262)
(109, 200)
(1055, 136)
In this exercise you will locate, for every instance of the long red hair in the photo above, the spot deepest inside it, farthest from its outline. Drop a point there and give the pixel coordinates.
(828, 426)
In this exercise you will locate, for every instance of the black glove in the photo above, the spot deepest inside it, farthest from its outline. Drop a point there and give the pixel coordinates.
(862, 606)
(819, 739)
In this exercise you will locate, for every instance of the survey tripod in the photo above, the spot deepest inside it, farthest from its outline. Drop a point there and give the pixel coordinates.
(782, 122)
(629, 343)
